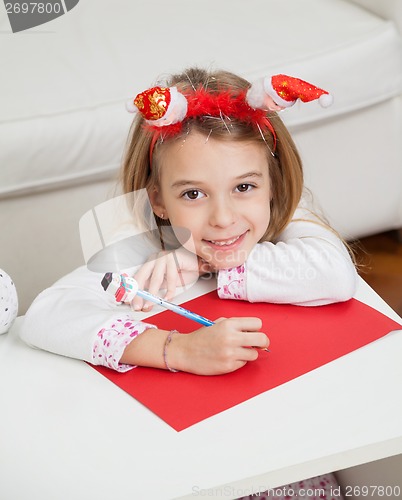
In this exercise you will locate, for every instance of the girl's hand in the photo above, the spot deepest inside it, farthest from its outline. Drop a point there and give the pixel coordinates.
(221, 348)
(166, 270)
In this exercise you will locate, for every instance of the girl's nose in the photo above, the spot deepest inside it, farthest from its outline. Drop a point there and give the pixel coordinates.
(222, 214)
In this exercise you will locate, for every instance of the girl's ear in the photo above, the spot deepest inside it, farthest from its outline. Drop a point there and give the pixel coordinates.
(158, 206)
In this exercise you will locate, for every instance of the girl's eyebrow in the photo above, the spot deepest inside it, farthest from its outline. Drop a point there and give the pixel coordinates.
(186, 182)
(250, 174)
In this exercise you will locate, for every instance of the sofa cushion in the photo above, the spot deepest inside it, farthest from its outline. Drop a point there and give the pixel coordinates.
(63, 119)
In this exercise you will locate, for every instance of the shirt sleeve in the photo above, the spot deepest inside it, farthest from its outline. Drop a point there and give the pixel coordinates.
(76, 318)
(111, 341)
(308, 265)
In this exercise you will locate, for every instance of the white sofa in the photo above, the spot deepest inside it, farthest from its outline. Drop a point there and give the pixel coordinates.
(63, 123)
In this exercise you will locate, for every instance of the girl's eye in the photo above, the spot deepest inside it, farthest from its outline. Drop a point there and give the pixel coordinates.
(243, 188)
(194, 194)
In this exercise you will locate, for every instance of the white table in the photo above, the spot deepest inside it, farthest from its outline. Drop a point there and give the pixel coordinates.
(67, 433)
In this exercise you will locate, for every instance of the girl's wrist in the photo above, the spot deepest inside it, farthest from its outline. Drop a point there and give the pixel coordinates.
(168, 341)
(174, 351)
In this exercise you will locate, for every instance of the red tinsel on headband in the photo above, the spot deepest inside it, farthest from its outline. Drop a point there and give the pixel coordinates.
(226, 103)
(202, 103)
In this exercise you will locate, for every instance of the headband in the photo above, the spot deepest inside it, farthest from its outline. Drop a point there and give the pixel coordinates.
(165, 109)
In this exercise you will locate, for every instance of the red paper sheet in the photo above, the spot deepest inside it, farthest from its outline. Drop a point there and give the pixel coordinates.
(302, 339)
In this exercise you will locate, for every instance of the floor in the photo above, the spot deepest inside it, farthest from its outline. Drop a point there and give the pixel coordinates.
(380, 259)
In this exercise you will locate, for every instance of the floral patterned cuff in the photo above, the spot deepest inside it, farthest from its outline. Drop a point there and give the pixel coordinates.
(232, 283)
(113, 339)
(324, 487)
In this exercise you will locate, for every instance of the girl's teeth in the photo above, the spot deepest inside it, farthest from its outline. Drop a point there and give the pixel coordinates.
(225, 243)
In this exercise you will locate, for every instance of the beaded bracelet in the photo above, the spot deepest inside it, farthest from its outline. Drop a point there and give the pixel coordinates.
(167, 342)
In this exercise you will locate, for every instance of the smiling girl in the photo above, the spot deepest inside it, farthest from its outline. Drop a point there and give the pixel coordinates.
(215, 158)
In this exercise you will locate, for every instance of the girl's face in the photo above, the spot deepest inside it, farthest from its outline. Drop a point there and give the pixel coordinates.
(220, 191)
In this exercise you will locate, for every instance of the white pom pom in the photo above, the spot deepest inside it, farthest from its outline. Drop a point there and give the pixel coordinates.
(325, 100)
(8, 302)
(131, 107)
(255, 96)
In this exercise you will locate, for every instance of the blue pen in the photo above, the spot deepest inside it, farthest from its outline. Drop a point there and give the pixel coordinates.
(125, 289)
(175, 308)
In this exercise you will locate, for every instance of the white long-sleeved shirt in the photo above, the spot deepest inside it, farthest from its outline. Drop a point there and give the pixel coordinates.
(308, 265)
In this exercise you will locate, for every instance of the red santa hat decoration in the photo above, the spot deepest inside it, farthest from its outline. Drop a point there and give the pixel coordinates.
(281, 91)
(165, 109)
(162, 106)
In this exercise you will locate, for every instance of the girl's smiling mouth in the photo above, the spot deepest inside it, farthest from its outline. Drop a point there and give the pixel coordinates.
(228, 243)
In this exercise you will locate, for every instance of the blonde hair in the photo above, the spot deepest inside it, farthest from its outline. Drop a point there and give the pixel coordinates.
(285, 166)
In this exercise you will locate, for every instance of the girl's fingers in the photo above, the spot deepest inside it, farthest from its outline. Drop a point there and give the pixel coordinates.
(247, 324)
(251, 344)
(152, 274)
(135, 304)
(255, 340)
(248, 354)
(142, 278)
(253, 337)
(165, 275)
(172, 277)
(157, 279)
(143, 274)
(165, 270)
(155, 282)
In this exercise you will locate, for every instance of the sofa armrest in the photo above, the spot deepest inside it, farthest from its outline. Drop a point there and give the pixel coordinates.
(387, 9)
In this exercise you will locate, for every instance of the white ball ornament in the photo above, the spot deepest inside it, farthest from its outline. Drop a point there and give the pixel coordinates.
(326, 100)
(8, 302)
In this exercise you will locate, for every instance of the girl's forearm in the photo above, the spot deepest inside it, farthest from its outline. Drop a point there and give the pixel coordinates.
(146, 349)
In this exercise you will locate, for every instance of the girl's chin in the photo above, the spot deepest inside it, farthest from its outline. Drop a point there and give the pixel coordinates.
(225, 262)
